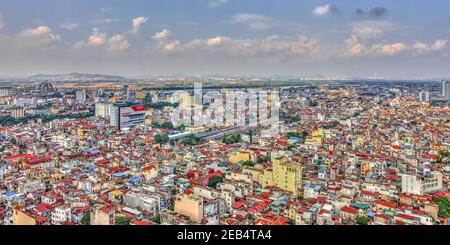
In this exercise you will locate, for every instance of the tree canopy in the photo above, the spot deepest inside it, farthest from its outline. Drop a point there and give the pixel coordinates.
(161, 138)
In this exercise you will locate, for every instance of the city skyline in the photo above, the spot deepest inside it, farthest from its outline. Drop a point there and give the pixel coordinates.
(328, 38)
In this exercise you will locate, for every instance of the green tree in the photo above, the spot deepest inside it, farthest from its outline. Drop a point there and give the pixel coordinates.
(442, 155)
(161, 138)
(157, 219)
(290, 147)
(444, 206)
(294, 119)
(156, 125)
(304, 134)
(214, 180)
(248, 163)
(123, 220)
(232, 139)
(264, 159)
(191, 140)
(292, 135)
(362, 220)
(86, 219)
(167, 125)
(182, 127)
(313, 103)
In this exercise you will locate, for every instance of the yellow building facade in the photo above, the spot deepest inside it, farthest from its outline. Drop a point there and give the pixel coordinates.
(255, 173)
(285, 174)
(240, 156)
(21, 218)
(190, 206)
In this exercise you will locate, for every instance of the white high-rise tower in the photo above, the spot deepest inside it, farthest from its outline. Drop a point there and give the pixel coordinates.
(446, 90)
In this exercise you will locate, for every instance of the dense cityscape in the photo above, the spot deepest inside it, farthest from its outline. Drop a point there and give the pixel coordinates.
(366, 152)
(223, 120)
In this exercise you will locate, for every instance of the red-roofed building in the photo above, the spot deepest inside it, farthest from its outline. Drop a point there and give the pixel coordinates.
(140, 222)
(348, 213)
(370, 196)
(380, 204)
(382, 219)
(406, 219)
(270, 220)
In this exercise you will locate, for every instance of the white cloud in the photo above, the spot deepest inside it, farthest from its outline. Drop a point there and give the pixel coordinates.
(324, 10)
(118, 43)
(389, 49)
(361, 43)
(69, 25)
(165, 42)
(253, 21)
(439, 45)
(217, 3)
(422, 47)
(101, 40)
(31, 39)
(97, 38)
(354, 46)
(271, 46)
(367, 32)
(162, 35)
(41, 34)
(137, 23)
(371, 29)
(171, 45)
(216, 41)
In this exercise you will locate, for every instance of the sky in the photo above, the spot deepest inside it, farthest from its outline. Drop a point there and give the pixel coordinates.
(351, 38)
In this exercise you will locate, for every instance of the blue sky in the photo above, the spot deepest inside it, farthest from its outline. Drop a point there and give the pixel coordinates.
(401, 38)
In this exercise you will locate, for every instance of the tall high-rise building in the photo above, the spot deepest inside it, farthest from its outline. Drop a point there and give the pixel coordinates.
(446, 90)
(18, 112)
(424, 96)
(102, 109)
(127, 114)
(126, 93)
(80, 96)
(5, 91)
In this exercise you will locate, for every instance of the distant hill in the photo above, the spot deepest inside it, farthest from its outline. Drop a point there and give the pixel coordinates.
(76, 77)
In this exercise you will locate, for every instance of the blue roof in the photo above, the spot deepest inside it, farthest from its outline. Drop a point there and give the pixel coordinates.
(10, 194)
(120, 174)
(134, 179)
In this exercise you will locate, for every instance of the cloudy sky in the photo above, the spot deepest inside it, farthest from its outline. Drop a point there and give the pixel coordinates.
(358, 38)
